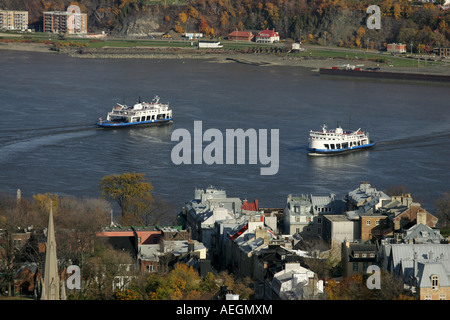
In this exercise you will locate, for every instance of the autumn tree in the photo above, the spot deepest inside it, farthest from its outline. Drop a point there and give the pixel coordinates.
(182, 283)
(203, 26)
(241, 286)
(42, 202)
(131, 191)
(103, 268)
(355, 288)
(350, 288)
(360, 33)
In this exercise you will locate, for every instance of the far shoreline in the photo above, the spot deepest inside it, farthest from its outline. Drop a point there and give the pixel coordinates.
(215, 56)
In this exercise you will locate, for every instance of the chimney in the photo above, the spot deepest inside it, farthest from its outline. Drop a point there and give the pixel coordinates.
(261, 232)
(421, 217)
(415, 265)
(191, 246)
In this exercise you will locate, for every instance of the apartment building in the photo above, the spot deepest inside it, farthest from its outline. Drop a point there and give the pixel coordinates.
(71, 21)
(13, 20)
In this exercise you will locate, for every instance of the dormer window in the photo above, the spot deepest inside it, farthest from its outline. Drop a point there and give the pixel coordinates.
(434, 282)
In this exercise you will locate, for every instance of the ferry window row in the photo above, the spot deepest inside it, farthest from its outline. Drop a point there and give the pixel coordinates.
(148, 118)
(344, 145)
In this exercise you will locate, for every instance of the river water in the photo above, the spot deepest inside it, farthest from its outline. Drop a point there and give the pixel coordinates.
(50, 102)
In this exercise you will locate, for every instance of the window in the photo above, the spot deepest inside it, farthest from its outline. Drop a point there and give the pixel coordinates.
(427, 297)
(442, 297)
(434, 282)
(368, 223)
(319, 220)
(355, 266)
(364, 255)
(377, 222)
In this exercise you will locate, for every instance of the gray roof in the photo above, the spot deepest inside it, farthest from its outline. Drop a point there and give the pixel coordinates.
(364, 192)
(322, 201)
(403, 252)
(423, 233)
(428, 269)
(149, 252)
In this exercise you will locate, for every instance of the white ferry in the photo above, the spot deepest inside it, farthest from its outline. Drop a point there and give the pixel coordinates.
(142, 113)
(326, 142)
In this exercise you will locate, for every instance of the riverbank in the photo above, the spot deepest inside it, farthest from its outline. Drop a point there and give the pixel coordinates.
(222, 56)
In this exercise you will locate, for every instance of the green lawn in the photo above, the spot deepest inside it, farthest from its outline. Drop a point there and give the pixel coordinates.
(383, 59)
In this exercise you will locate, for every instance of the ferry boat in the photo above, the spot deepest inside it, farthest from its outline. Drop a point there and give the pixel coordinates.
(336, 141)
(141, 113)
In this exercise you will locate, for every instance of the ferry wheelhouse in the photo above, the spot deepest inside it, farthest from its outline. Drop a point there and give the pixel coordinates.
(335, 141)
(141, 113)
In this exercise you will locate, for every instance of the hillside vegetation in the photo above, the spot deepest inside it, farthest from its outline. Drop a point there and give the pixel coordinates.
(323, 22)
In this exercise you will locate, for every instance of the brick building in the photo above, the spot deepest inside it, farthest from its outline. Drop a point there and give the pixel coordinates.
(396, 48)
(373, 226)
(241, 35)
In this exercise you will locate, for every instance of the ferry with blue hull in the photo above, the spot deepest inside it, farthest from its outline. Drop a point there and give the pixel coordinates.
(141, 113)
(337, 141)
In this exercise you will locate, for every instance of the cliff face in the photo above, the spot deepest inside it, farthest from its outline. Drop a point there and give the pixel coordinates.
(140, 25)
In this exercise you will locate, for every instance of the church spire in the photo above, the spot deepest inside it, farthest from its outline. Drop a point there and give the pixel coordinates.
(51, 285)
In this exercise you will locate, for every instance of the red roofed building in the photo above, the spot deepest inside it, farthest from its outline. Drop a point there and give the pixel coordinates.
(248, 206)
(396, 48)
(267, 36)
(241, 35)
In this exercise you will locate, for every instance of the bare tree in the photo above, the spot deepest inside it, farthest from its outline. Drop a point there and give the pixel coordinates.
(442, 205)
